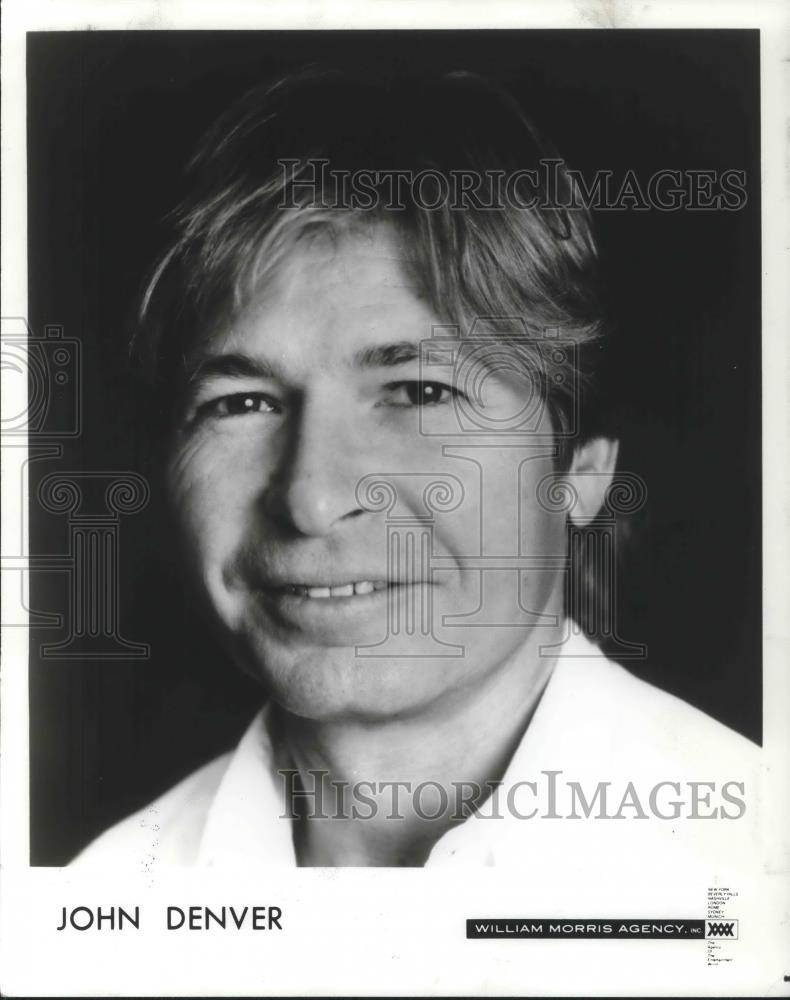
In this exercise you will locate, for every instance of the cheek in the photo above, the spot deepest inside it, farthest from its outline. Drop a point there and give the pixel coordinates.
(542, 529)
(501, 512)
(212, 488)
(541, 533)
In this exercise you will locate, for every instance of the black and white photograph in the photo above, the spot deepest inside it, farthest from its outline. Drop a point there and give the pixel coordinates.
(392, 546)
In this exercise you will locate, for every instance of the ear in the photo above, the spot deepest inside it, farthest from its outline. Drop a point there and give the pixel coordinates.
(590, 475)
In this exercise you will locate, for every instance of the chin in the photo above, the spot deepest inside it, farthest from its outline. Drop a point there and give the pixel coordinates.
(335, 685)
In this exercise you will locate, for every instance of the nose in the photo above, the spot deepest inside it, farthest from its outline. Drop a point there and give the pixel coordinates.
(314, 486)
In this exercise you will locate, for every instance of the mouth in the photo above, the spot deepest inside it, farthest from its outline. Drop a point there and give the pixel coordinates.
(323, 592)
(339, 610)
(338, 613)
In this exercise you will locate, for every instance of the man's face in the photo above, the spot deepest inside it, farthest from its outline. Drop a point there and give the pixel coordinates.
(313, 387)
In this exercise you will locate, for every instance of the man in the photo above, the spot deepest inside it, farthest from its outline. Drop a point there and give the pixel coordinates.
(376, 341)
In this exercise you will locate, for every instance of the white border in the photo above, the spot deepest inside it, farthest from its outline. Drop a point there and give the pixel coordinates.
(26, 970)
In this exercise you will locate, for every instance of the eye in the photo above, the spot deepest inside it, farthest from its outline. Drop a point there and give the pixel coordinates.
(414, 393)
(239, 404)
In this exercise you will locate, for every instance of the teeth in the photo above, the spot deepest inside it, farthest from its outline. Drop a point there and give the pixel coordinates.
(346, 590)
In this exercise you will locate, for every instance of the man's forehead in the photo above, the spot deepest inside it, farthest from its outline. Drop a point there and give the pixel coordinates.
(331, 298)
(349, 260)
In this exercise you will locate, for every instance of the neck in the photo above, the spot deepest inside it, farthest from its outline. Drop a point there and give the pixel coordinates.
(354, 799)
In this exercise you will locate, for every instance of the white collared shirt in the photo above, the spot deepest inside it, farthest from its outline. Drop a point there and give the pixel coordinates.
(596, 725)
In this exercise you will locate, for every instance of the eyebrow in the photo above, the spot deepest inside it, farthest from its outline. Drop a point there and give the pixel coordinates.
(387, 355)
(229, 366)
(236, 365)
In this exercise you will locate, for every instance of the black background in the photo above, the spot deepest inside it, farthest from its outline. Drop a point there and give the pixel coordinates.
(113, 117)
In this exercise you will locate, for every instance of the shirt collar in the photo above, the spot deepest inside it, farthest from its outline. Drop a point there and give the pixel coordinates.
(244, 822)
